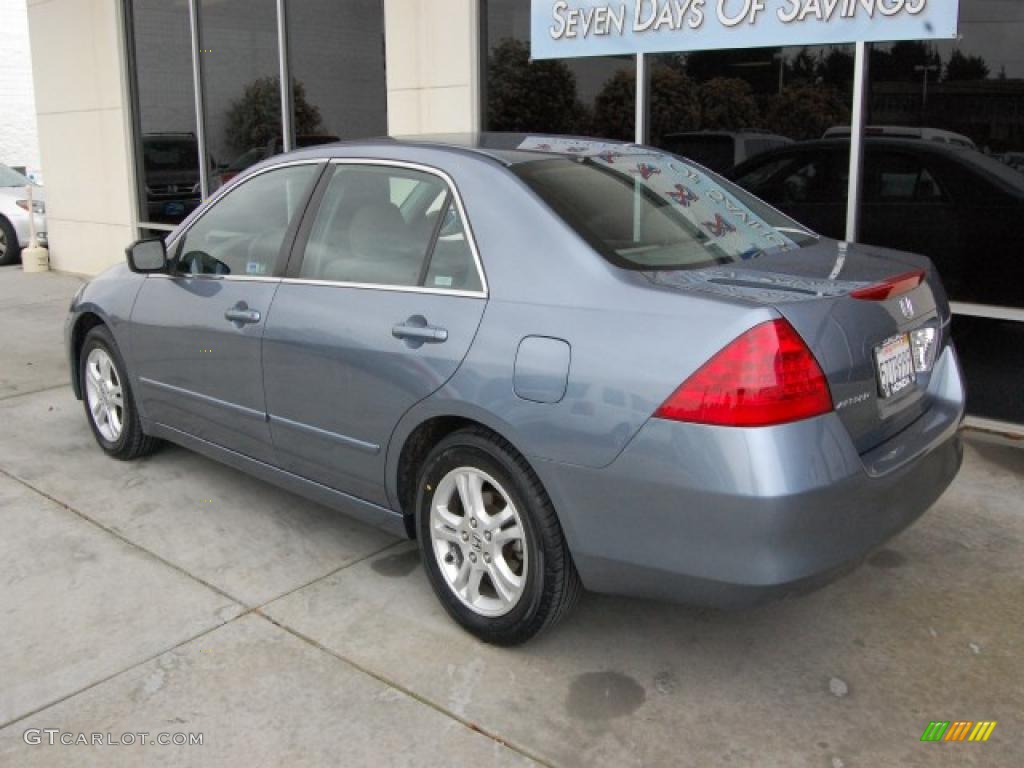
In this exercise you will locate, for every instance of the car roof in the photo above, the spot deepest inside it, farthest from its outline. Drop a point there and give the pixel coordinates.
(506, 148)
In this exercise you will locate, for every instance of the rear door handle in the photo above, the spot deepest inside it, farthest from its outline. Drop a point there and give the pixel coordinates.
(416, 331)
(242, 315)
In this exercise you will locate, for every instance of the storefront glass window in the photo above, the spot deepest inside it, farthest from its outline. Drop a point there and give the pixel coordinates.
(241, 84)
(337, 66)
(167, 155)
(589, 96)
(724, 108)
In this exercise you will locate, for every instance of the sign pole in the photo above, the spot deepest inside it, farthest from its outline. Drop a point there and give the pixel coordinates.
(642, 95)
(857, 121)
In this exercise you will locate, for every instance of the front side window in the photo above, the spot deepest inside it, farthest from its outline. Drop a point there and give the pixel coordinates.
(244, 232)
(646, 210)
(389, 226)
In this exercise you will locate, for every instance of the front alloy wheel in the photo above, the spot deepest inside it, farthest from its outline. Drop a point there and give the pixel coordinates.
(107, 395)
(104, 395)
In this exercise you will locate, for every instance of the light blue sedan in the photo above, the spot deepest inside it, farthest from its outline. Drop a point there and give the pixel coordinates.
(557, 363)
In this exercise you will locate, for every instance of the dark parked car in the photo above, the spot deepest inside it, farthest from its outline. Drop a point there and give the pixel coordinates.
(961, 208)
(170, 164)
(721, 150)
(595, 366)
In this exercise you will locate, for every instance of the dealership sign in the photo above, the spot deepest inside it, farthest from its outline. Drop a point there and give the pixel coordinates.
(566, 28)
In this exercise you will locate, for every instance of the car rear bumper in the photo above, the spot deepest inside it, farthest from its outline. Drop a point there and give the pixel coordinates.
(724, 516)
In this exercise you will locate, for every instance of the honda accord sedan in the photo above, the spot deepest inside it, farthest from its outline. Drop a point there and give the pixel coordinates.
(555, 363)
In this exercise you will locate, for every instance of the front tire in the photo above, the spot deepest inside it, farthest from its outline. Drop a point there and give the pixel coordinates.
(107, 395)
(490, 540)
(10, 250)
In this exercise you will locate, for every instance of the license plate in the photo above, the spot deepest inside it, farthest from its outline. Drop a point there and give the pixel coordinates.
(895, 364)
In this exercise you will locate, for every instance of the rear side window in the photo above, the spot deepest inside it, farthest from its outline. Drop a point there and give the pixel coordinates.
(385, 226)
(895, 177)
(649, 211)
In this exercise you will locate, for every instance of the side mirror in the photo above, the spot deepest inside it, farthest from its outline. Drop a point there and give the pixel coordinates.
(145, 256)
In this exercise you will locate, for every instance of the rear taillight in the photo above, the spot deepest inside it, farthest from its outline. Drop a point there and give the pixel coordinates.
(894, 286)
(766, 376)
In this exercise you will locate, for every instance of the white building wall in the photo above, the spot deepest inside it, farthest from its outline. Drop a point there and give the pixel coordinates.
(432, 66)
(18, 143)
(77, 63)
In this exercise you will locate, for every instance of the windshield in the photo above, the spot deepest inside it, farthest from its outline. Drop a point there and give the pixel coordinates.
(647, 210)
(11, 178)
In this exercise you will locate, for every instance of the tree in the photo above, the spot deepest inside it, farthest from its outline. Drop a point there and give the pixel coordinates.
(675, 105)
(806, 112)
(254, 120)
(837, 68)
(899, 62)
(526, 95)
(727, 104)
(803, 68)
(961, 67)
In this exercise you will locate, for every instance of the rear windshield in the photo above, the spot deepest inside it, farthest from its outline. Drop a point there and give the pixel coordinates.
(646, 210)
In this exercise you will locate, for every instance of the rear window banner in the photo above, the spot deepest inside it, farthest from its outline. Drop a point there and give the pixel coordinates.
(727, 224)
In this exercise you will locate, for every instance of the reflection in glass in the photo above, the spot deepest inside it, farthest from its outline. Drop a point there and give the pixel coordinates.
(337, 65)
(238, 44)
(593, 96)
(168, 154)
(992, 356)
(721, 108)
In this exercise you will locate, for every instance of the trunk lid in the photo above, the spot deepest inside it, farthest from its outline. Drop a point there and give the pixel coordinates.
(811, 288)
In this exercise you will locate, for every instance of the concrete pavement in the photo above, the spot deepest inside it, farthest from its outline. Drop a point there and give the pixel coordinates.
(177, 595)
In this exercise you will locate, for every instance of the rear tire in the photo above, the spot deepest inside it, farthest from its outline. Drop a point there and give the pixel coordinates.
(10, 250)
(107, 395)
(499, 564)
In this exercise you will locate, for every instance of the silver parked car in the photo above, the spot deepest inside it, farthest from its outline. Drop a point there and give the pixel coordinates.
(14, 214)
(556, 363)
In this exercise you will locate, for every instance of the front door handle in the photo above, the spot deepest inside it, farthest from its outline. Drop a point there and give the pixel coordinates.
(416, 331)
(242, 315)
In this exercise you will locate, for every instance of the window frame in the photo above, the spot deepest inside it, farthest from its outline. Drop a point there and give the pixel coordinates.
(299, 242)
(176, 242)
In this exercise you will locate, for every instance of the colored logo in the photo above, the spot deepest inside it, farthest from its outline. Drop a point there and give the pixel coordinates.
(646, 170)
(958, 730)
(719, 227)
(683, 195)
(609, 157)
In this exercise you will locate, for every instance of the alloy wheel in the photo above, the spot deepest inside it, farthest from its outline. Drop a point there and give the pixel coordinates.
(479, 541)
(104, 394)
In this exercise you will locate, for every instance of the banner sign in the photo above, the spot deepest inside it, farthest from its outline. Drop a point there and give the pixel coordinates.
(569, 28)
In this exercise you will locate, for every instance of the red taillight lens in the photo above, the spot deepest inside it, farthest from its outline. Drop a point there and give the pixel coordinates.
(894, 286)
(766, 376)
